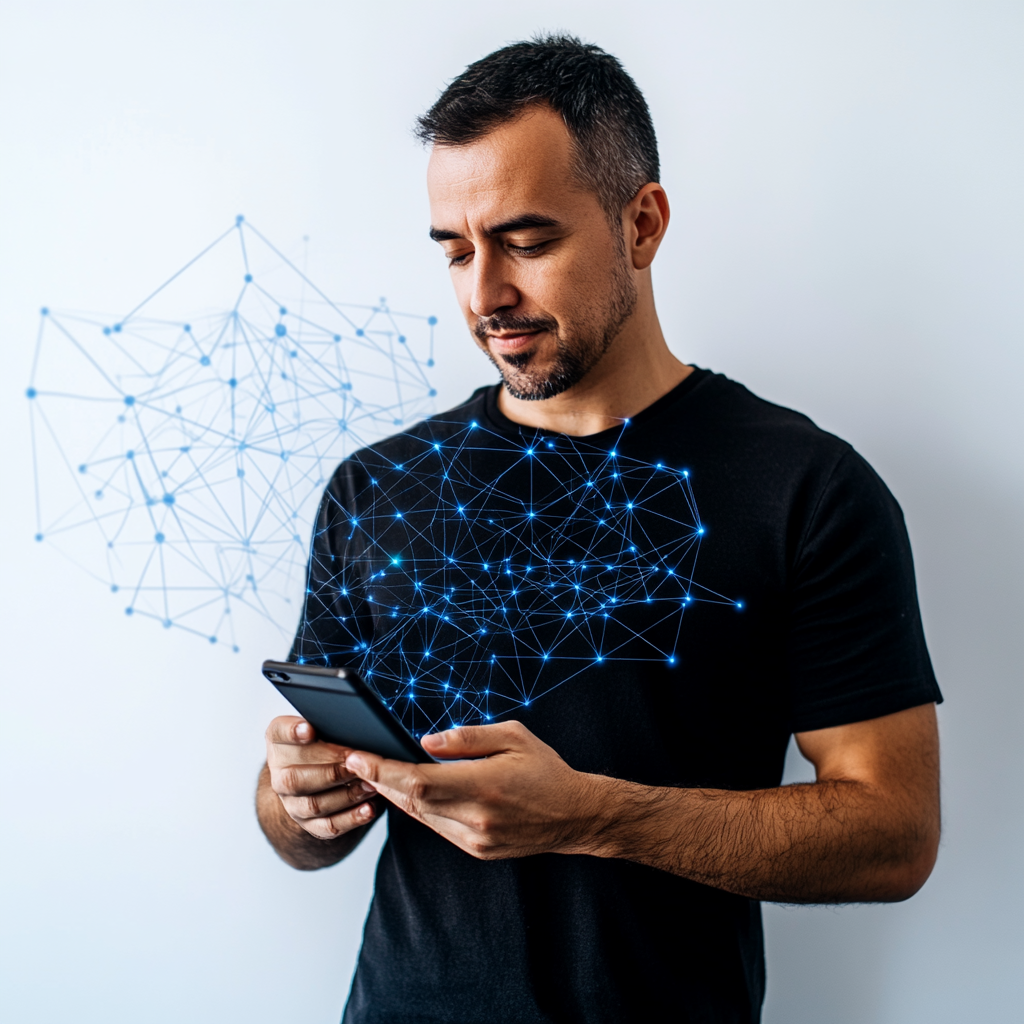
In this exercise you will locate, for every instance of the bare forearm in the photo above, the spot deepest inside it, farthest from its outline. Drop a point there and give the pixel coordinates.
(294, 844)
(824, 842)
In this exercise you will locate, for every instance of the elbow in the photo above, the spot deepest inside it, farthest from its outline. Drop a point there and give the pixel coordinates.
(906, 876)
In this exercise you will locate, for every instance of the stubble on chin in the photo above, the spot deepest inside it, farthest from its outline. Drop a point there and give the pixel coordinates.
(578, 348)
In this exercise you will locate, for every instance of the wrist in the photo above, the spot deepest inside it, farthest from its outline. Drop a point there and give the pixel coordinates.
(607, 807)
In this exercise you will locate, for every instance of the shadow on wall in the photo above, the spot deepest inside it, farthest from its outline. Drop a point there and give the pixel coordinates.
(829, 965)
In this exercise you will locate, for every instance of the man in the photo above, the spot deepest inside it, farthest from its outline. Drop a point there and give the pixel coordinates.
(526, 566)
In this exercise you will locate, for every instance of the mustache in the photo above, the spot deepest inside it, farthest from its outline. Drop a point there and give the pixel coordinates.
(505, 322)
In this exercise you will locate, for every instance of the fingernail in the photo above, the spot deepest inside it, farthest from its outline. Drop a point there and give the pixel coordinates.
(365, 811)
(438, 739)
(303, 731)
(363, 787)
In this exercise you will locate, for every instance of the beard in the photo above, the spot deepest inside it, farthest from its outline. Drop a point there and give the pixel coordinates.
(580, 342)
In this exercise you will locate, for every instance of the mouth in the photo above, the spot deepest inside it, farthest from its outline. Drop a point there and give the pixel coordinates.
(512, 344)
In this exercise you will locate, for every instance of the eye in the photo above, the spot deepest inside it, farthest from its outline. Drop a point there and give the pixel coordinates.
(458, 261)
(526, 250)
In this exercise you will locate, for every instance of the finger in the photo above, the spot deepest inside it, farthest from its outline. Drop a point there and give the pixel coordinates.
(281, 755)
(338, 824)
(303, 779)
(328, 802)
(405, 784)
(476, 740)
(290, 729)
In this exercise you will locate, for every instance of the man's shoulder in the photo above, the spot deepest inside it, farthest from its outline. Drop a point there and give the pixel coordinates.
(724, 409)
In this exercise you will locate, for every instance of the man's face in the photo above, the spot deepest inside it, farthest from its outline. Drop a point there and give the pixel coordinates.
(541, 276)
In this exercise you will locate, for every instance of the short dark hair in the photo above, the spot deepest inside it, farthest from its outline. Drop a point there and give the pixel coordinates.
(604, 111)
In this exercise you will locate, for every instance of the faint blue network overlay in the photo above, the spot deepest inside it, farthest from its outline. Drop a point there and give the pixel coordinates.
(180, 449)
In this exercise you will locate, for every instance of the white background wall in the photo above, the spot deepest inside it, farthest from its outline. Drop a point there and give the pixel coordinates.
(848, 239)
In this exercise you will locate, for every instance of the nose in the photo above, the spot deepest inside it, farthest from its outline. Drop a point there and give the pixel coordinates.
(493, 288)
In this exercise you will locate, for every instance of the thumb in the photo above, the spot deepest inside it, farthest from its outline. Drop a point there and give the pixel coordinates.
(473, 740)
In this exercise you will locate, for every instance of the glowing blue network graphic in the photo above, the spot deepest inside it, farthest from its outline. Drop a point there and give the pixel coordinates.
(478, 570)
(180, 449)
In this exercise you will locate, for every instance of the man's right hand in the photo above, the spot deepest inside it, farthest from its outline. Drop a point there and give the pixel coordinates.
(312, 789)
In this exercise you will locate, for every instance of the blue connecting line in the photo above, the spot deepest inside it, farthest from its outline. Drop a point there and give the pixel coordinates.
(180, 450)
(464, 596)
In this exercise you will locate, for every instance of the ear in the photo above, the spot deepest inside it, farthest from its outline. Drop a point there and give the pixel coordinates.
(644, 222)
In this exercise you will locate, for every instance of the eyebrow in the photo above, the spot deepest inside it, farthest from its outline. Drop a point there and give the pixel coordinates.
(526, 220)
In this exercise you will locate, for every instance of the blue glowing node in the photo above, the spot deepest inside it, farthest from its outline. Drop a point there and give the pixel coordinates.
(129, 610)
(211, 459)
(168, 623)
(239, 219)
(45, 311)
(486, 627)
(213, 639)
(39, 536)
(360, 333)
(431, 320)
(401, 339)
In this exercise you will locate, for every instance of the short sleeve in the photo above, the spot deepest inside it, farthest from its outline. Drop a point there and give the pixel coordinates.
(335, 625)
(856, 643)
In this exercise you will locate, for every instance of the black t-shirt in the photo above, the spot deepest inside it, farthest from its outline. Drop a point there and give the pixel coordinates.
(664, 602)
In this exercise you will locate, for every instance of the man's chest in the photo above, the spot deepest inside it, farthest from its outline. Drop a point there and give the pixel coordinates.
(490, 586)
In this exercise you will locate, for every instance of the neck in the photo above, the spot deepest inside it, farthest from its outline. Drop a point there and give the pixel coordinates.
(635, 372)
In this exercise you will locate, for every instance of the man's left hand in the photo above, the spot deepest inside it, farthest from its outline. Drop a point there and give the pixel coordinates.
(519, 798)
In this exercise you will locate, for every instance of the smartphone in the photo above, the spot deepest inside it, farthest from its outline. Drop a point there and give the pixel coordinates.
(344, 710)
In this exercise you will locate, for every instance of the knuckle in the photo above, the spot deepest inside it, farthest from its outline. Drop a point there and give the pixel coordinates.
(321, 828)
(480, 849)
(420, 790)
(330, 827)
(288, 780)
(310, 806)
(483, 825)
